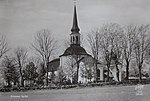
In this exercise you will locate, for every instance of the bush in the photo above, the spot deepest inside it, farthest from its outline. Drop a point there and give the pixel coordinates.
(5, 89)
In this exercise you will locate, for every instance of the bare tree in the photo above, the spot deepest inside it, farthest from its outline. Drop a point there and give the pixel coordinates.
(3, 46)
(10, 71)
(69, 68)
(78, 59)
(87, 69)
(109, 34)
(128, 46)
(118, 49)
(93, 39)
(35, 59)
(61, 76)
(141, 46)
(66, 43)
(21, 56)
(30, 73)
(45, 45)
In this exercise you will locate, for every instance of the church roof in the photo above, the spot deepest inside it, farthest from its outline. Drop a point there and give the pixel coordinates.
(53, 65)
(75, 50)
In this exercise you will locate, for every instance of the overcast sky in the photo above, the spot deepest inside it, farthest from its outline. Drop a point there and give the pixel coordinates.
(21, 19)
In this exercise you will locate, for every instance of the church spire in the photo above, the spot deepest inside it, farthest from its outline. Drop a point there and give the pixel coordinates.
(75, 35)
(75, 27)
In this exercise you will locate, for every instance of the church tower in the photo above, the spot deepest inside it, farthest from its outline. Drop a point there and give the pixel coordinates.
(75, 35)
(75, 56)
(75, 48)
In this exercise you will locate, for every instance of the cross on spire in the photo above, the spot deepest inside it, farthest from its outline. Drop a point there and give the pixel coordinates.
(74, 1)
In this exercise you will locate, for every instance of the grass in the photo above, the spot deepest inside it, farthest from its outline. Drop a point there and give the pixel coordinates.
(121, 93)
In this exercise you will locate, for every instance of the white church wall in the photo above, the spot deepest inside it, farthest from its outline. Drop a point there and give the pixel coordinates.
(114, 72)
(82, 79)
(101, 68)
(68, 66)
(86, 64)
(66, 63)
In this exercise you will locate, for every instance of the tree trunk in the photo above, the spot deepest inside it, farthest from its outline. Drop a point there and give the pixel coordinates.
(46, 75)
(107, 73)
(8, 81)
(53, 75)
(140, 73)
(22, 82)
(96, 71)
(30, 83)
(127, 70)
(14, 82)
(117, 73)
(77, 72)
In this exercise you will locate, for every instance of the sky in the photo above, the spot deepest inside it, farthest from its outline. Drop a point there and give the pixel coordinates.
(20, 20)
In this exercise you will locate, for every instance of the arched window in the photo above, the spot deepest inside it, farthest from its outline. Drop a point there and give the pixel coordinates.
(98, 74)
(73, 39)
(76, 39)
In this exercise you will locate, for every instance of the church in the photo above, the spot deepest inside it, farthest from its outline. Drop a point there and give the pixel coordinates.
(75, 64)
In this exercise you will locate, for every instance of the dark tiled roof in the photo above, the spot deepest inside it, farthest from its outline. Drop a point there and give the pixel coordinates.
(53, 65)
(75, 50)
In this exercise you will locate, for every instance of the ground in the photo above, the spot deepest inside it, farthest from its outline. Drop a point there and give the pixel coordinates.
(125, 93)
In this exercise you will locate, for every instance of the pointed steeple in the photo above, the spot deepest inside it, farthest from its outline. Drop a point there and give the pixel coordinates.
(75, 28)
(75, 35)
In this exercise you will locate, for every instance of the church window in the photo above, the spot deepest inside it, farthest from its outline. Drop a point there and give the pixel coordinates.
(98, 74)
(73, 39)
(77, 39)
